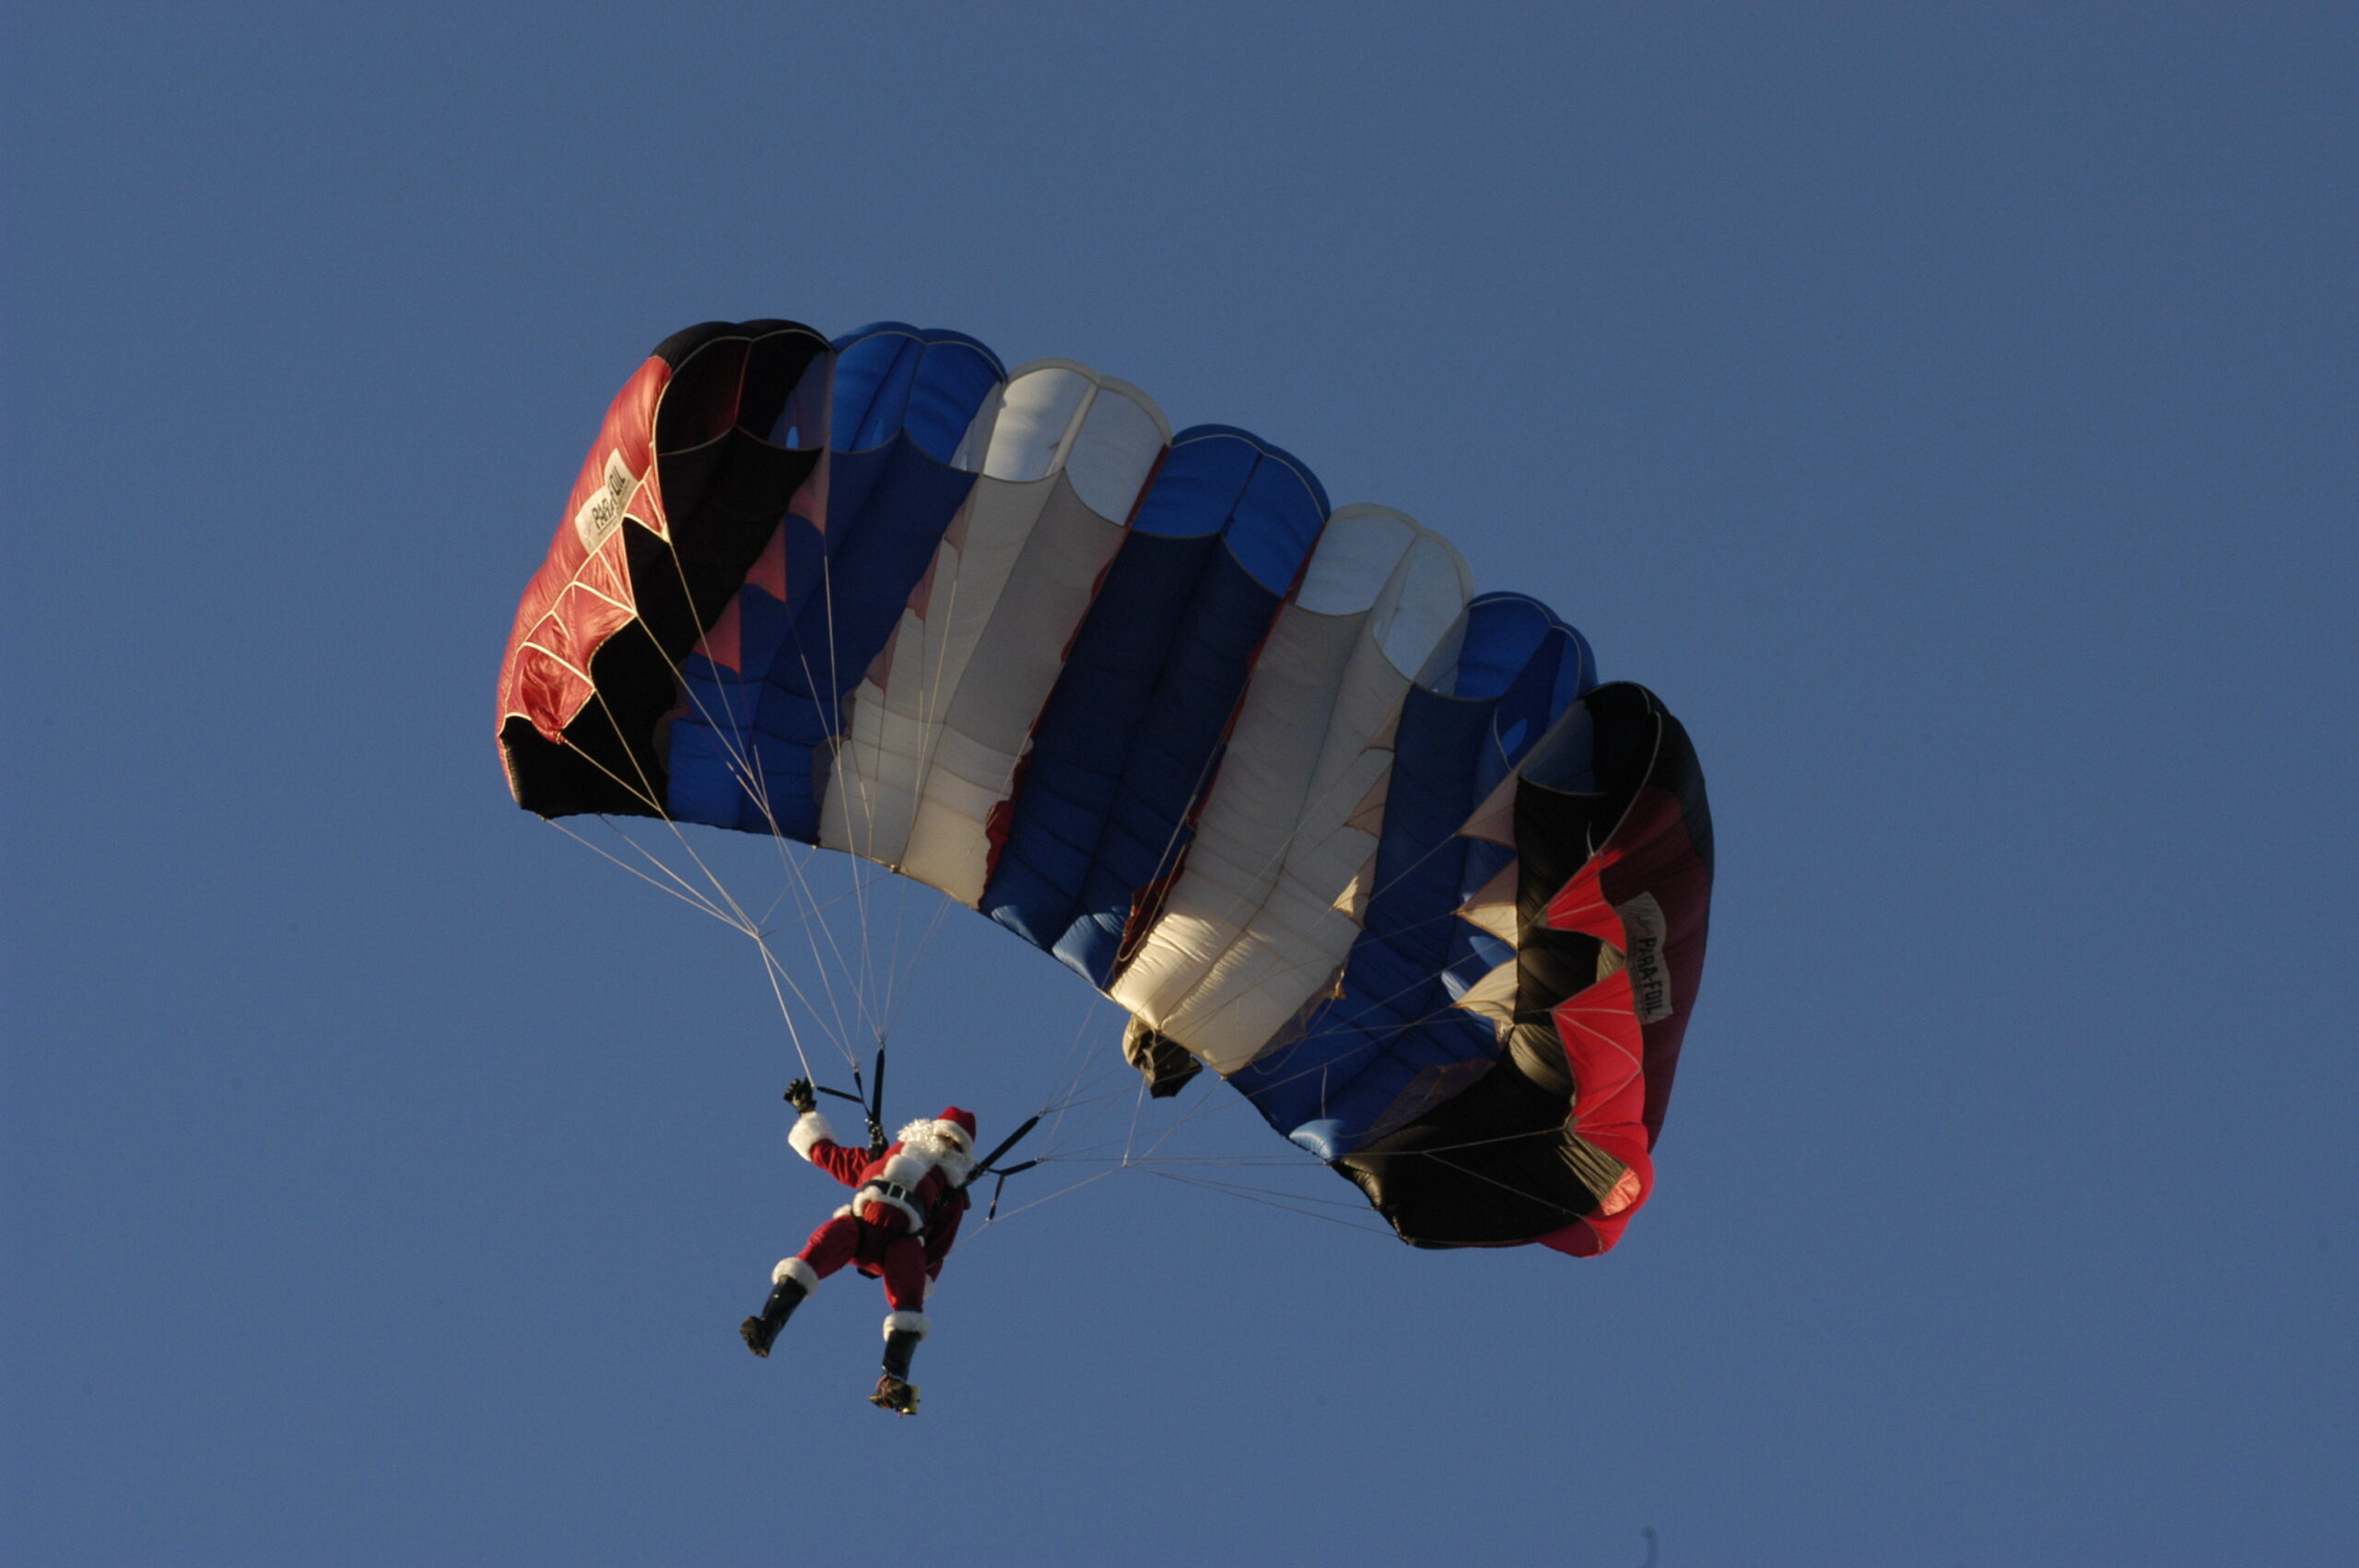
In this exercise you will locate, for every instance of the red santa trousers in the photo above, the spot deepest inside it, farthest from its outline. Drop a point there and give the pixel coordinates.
(883, 1245)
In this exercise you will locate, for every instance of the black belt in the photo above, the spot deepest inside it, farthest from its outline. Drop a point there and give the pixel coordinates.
(895, 1191)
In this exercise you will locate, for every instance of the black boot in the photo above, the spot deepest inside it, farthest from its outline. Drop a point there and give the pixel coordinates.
(895, 1392)
(785, 1296)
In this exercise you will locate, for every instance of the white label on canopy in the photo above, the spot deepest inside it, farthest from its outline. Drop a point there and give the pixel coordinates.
(602, 512)
(1642, 922)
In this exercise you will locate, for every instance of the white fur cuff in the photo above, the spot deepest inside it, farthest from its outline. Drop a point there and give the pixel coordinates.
(906, 1169)
(794, 1269)
(809, 1131)
(905, 1323)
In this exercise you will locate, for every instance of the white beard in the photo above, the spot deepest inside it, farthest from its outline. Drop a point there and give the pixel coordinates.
(926, 1140)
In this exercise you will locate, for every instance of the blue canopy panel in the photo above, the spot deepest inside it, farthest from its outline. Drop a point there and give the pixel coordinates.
(1393, 1044)
(899, 402)
(1131, 736)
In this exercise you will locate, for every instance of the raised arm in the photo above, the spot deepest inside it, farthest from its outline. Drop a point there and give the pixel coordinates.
(814, 1139)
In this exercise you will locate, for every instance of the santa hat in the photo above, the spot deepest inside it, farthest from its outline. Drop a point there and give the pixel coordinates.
(959, 1124)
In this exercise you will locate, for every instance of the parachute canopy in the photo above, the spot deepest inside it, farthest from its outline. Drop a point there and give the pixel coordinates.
(1377, 850)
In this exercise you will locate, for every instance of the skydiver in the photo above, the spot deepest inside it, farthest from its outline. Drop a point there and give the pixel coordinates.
(900, 1225)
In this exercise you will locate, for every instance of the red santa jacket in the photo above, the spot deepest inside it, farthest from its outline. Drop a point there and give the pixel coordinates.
(916, 1184)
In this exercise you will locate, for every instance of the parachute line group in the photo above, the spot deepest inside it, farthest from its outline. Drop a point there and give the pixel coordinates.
(1074, 1089)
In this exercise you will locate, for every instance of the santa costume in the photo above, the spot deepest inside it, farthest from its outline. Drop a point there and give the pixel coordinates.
(900, 1226)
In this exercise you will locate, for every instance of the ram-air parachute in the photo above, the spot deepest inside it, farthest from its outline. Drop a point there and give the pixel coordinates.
(1377, 850)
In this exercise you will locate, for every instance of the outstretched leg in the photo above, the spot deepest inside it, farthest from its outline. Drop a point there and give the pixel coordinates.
(791, 1281)
(831, 1247)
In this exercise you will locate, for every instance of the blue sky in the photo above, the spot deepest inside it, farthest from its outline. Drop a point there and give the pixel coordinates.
(1947, 409)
